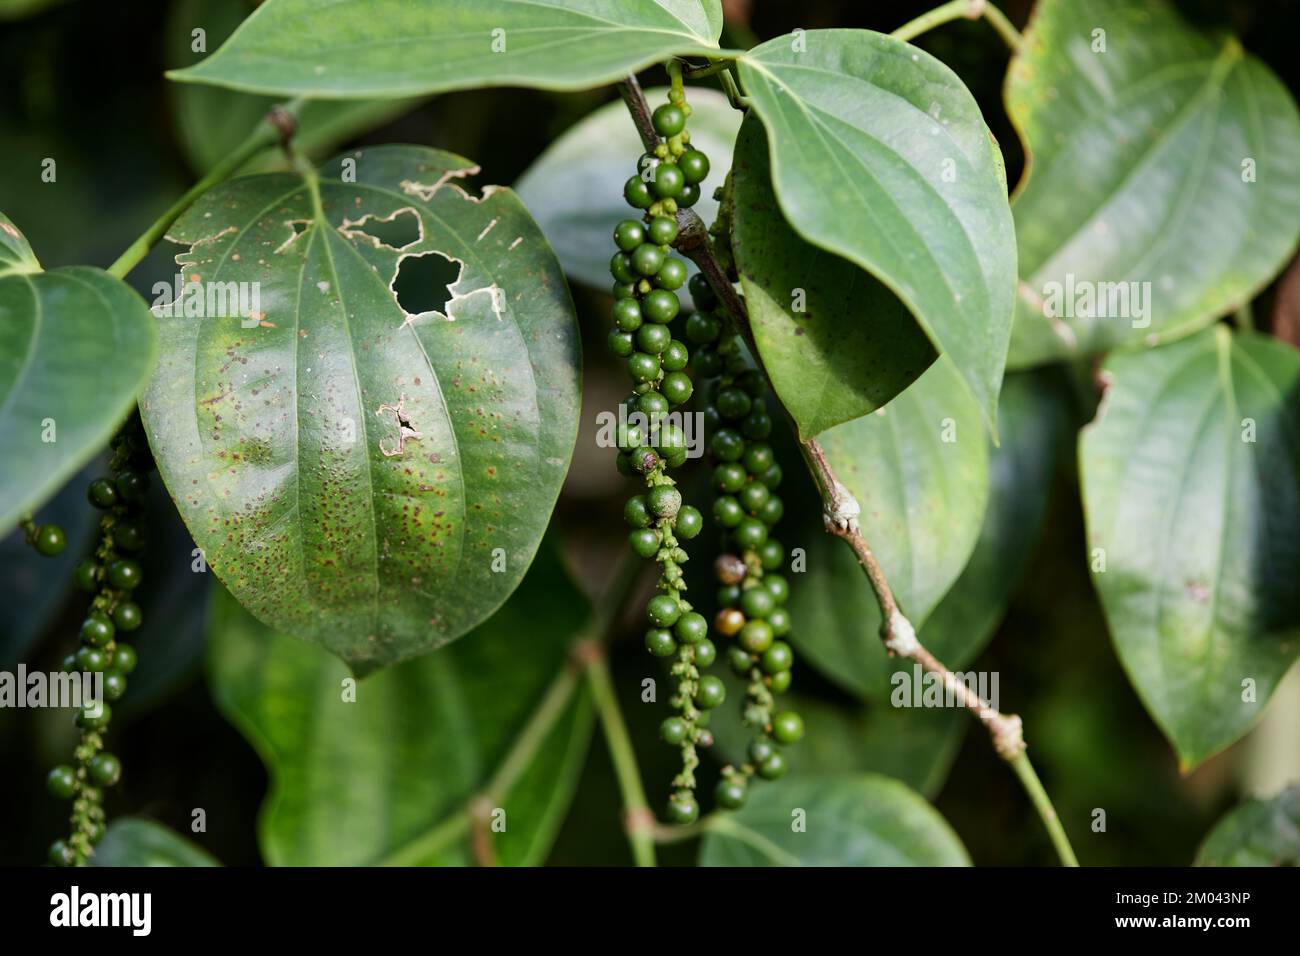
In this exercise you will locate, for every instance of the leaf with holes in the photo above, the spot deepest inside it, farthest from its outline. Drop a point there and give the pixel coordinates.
(1257, 833)
(382, 778)
(575, 188)
(1191, 484)
(135, 841)
(860, 820)
(919, 468)
(369, 478)
(880, 155)
(76, 345)
(1161, 189)
(365, 48)
(212, 122)
(836, 343)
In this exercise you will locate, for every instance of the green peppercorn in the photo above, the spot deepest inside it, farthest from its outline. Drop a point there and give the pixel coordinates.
(646, 260)
(757, 425)
(92, 659)
(644, 542)
(706, 652)
(771, 554)
(771, 477)
(756, 637)
(644, 460)
(97, 630)
(652, 404)
(779, 619)
(643, 367)
(787, 727)
(780, 681)
(636, 513)
(90, 721)
(694, 166)
(124, 574)
(750, 533)
(774, 767)
(124, 658)
(620, 344)
(727, 445)
(702, 293)
(663, 610)
(49, 540)
(637, 193)
(675, 356)
(779, 657)
(660, 306)
(132, 485)
(753, 497)
(757, 602)
(739, 661)
(114, 685)
(87, 575)
(129, 536)
(105, 769)
(674, 730)
(730, 794)
(710, 692)
(677, 388)
(663, 501)
(689, 196)
(689, 522)
(668, 120)
(682, 809)
(728, 595)
(653, 339)
(708, 364)
(102, 493)
(691, 628)
(671, 275)
(61, 854)
(729, 477)
(629, 234)
(772, 510)
(758, 458)
(620, 267)
(760, 748)
(779, 587)
(62, 782)
(627, 315)
(660, 643)
(702, 328)
(732, 402)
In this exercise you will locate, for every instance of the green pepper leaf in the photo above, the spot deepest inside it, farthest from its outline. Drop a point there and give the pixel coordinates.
(373, 773)
(1160, 190)
(880, 155)
(135, 841)
(372, 48)
(1257, 833)
(372, 479)
(76, 345)
(1191, 484)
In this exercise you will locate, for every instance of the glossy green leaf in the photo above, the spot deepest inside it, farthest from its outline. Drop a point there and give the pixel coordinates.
(1035, 426)
(919, 469)
(17, 9)
(914, 746)
(76, 345)
(1191, 483)
(212, 122)
(1163, 166)
(575, 188)
(1257, 833)
(361, 48)
(135, 841)
(880, 155)
(857, 820)
(836, 343)
(280, 442)
(355, 782)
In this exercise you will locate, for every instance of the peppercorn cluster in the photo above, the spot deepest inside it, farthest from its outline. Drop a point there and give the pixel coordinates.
(751, 595)
(646, 280)
(112, 576)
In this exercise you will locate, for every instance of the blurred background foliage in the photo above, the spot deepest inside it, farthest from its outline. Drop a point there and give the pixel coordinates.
(83, 85)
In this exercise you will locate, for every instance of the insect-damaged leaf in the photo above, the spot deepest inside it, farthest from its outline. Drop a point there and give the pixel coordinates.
(370, 480)
(76, 344)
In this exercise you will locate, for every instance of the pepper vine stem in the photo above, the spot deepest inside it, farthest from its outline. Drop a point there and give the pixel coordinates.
(958, 10)
(840, 512)
(277, 126)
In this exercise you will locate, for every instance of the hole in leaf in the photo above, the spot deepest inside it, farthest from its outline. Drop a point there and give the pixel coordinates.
(422, 283)
(398, 232)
